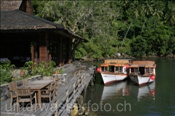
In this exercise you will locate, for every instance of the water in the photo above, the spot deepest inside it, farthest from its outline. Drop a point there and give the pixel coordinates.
(127, 99)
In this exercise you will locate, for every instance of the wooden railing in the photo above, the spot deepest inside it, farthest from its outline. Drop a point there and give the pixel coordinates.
(72, 92)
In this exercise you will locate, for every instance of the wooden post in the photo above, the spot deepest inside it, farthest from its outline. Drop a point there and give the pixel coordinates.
(61, 52)
(36, 55)
(67, 99)
(32, 53)
(43, 52)
(56, 107)
(79, 83)
(69, 50)
(74, 85)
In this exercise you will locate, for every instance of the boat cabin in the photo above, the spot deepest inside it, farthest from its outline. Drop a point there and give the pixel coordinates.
(142, 67)
(115, 66)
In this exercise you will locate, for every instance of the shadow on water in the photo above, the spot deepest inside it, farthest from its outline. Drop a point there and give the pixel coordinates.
(127, 99)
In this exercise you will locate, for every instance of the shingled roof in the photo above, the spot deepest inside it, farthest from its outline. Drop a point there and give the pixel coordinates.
(7, 5)
(12, 19)
(18, 20)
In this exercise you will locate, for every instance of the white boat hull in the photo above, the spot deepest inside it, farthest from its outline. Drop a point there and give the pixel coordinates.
(140, 80)
(111, 78)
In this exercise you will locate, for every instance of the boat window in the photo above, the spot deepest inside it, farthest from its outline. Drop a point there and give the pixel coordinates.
(134, 70)
(147, 70)
(151, 70)
(104, 68)
(118, 69)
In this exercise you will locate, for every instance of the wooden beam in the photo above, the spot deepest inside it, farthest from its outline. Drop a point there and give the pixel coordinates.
(43, 52)
(32, 53)
(69, 50)
(61, 52)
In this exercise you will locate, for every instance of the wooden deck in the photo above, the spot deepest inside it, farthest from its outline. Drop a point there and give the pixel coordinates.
(69, 89)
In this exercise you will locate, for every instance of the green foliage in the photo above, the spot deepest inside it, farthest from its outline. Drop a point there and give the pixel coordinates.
(28, 66)
(138, 47)
(6, 69)
(43, 68)
(112, 26)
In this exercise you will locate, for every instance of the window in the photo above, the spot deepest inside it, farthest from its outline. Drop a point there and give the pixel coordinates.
(147, 70)
(151, 70)
(134, 70)
(118, 69)
(104, 69)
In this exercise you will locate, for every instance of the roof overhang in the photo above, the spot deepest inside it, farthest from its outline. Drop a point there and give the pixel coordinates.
(19, 21)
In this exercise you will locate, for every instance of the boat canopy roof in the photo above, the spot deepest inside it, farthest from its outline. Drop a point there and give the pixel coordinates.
(117, 61)
(105, 65)
(146, 66)
(144, 63)
(134, 66)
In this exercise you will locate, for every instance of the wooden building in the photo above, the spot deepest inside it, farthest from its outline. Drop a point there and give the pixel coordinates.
(27, 37)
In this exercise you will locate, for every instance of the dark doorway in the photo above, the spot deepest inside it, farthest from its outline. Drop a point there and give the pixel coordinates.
(111, 68)
(141, 70)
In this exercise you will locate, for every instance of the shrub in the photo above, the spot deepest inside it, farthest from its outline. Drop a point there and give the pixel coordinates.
(6, 69)
(43, 68)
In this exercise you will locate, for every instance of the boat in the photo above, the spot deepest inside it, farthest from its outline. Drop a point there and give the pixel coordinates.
(113, 70)
(142, 72)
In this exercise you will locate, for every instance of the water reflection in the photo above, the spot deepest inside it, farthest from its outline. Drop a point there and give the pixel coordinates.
(124, 88)
(116, 89)
(146, 91)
